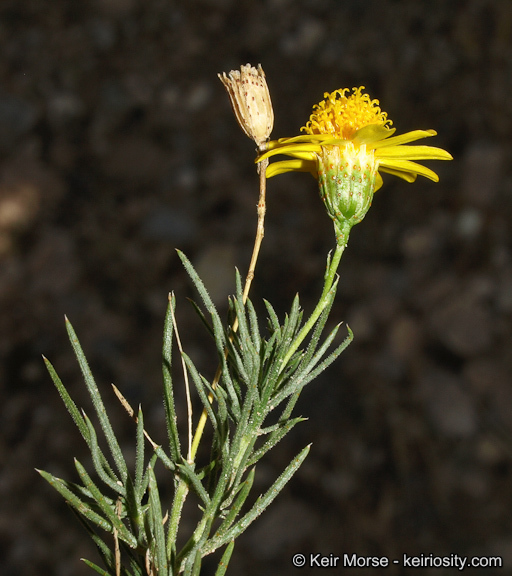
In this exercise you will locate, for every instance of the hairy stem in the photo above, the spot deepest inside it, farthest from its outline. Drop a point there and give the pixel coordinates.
(329, 278)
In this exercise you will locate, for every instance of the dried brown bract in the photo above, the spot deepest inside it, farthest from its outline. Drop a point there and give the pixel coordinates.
(250, 99)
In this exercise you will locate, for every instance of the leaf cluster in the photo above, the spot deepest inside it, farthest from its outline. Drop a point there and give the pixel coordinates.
(249, 407)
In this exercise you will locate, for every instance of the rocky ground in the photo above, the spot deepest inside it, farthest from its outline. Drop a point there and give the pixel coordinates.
(118, 145)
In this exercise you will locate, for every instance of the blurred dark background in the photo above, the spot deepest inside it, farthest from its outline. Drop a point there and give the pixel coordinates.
(118, 145)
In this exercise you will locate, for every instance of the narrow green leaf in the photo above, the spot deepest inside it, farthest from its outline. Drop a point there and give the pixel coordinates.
(134, 512)
(234, 367)
(224, 343)
(323, 348)
(260, 505)
(105, 507)
(275, 437)
(243, 445)
(231, 386)
(238, 284)
(98, 403)
(189, 474)
(244, 490)
(274, 324)
(224, 561)
(196, 569)
(300, 380)
(139, 455)
(155, 509)
(329, 360)
(290, 405)
(198, 283)
(243, 438)
(170, 410)
(64, 488)
(200, 385)
(151, 466)
(295, 382)
(272, 374)
(317, 332)
(104, 551)
(249, 353)
(68, 402)
(253, 322)
(180, 495)
(166, 461)
(269, 348)
(137, 569)
(250, 358)
(96, 568)
(219, 333)
(98, 458)
(252, 397)
(291, 368)
(248, 348)
(199, 312)
(291, 322)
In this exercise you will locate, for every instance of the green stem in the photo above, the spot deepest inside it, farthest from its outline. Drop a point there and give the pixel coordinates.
(330, 276)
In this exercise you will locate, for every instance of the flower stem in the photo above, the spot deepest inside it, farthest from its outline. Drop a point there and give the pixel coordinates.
(330, 275)
(260, 232)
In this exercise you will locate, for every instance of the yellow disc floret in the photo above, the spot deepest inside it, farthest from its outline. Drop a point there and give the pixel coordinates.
(342, 115)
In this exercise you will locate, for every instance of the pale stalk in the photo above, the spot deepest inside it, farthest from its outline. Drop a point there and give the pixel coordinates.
(260, 232)
(187, 386)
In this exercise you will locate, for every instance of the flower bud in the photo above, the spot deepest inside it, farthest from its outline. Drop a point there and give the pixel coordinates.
(250, 99)
(347, 178)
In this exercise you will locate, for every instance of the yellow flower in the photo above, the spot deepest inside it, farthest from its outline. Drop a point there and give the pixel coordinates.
(356, 120)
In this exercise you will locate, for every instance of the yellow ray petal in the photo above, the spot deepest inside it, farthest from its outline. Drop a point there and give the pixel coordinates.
(291, 166)
(304, 138)
(378, 181)
(413, 153)
(372, 133)
(405, 138)
(407, 166)
(303, 151)
(407, 176)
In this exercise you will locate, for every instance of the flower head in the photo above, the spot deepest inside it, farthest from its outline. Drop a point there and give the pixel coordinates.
(341, 119)
(346, 178)
(348, 141)
(250, 99)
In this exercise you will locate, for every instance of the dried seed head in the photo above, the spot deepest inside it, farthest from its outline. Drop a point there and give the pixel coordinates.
(250, 99)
